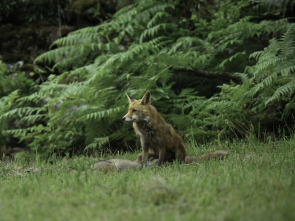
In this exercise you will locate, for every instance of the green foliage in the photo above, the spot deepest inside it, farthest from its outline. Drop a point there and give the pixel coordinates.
(13, 84)
(173, 51)
(11, 80)
(273, 73)
(267, 92)
(263, 102)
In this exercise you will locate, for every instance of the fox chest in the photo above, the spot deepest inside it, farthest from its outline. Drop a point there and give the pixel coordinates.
(147, 135)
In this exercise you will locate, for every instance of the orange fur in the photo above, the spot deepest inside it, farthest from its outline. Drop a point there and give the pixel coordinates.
(158, 138)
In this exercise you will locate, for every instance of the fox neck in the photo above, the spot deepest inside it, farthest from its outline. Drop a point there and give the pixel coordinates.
(144, 129)
(148, 138)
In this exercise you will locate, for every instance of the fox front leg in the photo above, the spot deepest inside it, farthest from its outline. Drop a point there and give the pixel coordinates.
(145, 157)
(162, 154)
(145, 152)
(151, 156)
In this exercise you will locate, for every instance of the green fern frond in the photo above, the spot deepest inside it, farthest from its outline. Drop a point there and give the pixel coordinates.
(157, 17)
(34, 98)
(22, 112)
(155, 30)
(97, 143)
(53, 55)
(229, 59)
(101, 114)
(22, 132)
(282, 92)
(77, 38)
(33, 118)
(124, 10)
(184, 43)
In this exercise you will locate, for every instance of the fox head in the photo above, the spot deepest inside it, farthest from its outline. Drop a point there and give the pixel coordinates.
(138, 109)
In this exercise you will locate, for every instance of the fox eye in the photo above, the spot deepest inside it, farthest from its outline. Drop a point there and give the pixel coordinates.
(133, 110)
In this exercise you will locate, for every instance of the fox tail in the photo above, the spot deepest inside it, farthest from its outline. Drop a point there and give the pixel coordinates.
(217, 154)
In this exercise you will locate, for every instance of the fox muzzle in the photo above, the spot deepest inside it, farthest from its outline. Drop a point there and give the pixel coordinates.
(127, 119)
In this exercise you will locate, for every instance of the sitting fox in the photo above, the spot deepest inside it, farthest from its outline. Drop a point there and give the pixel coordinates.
(158, 138)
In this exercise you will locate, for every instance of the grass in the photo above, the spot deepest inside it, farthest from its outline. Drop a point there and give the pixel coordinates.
(256, 182)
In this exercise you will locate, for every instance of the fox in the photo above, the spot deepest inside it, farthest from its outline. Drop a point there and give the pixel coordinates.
(124, 164)
(158, 138)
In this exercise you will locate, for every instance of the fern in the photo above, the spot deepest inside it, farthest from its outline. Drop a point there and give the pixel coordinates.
(275, 68)
(284, 92)
(97, 143)
(160, 46)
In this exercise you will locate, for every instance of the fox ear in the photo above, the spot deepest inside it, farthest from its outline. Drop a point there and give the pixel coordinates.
(130, 99)
(146, 99)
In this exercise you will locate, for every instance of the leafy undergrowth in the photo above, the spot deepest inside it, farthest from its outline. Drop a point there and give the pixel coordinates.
(256, 182)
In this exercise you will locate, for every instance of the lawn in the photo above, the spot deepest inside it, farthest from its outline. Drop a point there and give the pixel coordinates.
(256, 182)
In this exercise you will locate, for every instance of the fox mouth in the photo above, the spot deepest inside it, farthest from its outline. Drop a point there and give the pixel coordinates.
(128, 120)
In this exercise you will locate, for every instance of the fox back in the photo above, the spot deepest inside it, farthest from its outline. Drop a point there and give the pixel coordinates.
(157, 137)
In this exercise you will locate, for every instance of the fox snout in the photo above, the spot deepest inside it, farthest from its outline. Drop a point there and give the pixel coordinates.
(124, 118)
(127, 119)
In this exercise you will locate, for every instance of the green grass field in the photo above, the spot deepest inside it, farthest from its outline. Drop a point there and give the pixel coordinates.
(256, 182)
